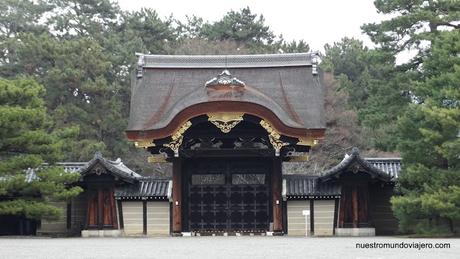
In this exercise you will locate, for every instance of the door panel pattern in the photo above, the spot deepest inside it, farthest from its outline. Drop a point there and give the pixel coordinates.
(241, 203)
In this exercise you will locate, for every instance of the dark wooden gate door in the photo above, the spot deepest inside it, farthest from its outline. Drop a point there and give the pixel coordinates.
(228, 196)
(101, 212)
(354, 206)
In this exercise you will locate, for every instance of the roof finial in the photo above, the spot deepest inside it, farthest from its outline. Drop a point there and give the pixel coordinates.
(98, 154)
(355, 151)
(314, 62)
(140, 65)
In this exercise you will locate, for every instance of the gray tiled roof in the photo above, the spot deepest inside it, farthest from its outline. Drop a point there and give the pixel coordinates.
(146, 188)
(69, 167)
(391, 166)
(352, 160)
(301, 186)
(225, 61)
(115, 167)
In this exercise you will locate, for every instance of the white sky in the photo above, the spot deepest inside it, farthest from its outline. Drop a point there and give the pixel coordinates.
(317, 22)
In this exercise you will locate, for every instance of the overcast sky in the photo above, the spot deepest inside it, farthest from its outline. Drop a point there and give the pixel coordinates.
(315, 21)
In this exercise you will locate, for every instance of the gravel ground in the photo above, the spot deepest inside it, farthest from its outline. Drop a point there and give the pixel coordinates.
(219, 247)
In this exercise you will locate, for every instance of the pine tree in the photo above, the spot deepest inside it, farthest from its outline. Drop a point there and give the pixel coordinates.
(430, 142)
(427, 132)
(26, 143)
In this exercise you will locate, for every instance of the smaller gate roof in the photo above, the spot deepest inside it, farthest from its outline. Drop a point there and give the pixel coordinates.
(302, 186)
(116, 168)
(145, 188)
(356, 162)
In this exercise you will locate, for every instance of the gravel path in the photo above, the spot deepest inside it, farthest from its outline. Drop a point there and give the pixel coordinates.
(219, 247)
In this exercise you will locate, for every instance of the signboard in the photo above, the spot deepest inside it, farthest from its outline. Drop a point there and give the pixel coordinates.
(208, 179)
(297, 157)
(248, 179)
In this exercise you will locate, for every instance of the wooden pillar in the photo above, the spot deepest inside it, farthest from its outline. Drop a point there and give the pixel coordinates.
(144, 217)
(177, 197)
(69, 216)
(312, 218)
(113, 208)
(336, 215)
(120, 214)
(342, 208)
(354, 200)
(276, 183)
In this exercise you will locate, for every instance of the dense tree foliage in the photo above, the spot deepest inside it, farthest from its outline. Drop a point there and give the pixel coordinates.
(414, 24)
(375, 88)
(427, 129)
(430, 144)
(343, 131)
(413, 107)
(27, 142)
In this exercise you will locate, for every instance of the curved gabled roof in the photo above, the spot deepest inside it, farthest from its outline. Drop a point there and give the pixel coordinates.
(116, 168)
(283, 89)
(352, 160)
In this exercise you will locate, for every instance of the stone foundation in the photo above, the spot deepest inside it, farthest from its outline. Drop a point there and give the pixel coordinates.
(102, 233)
(355, 232)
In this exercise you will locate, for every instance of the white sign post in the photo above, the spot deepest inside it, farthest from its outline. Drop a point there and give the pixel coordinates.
(306, 213)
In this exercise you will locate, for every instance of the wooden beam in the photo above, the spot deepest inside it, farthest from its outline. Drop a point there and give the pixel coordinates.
(276, 197)
(177, 197)
(354, 197)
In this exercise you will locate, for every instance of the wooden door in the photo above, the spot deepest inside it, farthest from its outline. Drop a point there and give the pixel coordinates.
(101, 212)
(354, 206)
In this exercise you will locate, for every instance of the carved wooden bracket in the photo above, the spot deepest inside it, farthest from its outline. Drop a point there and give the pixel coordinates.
(177, 138)
(274, 137)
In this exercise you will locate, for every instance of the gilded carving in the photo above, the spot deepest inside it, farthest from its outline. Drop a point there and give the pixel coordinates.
(145, 143)
(225, 121)
(272, 132)
(156, 159)
(180, 132)
(175, 144)
(177, 138)
(274, 137)
(307, 142)
(277, 144)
